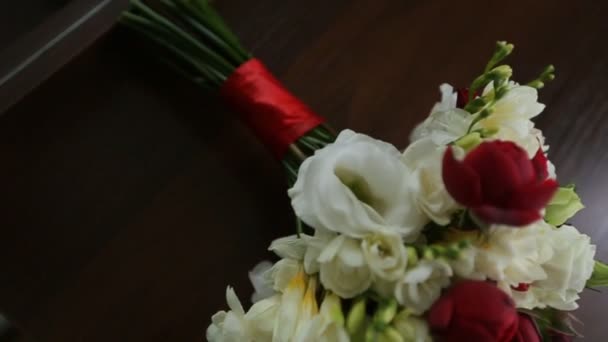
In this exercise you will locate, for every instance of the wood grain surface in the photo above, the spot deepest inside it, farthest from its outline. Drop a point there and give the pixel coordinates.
(130, 200)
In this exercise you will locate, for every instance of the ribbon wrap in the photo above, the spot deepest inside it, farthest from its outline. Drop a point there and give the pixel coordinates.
(276, 117)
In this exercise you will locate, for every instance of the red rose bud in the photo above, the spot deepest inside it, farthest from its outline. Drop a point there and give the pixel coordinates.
(526, 330)
(474, 311)
(521, 287)
(499, 183)
(462, 97)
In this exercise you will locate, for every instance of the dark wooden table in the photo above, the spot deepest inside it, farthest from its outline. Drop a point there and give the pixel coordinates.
(129, 199)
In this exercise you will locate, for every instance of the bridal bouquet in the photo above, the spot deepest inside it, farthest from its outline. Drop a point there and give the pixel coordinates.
(462, 236)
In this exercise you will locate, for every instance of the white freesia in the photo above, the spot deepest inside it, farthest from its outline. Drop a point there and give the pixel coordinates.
(261, 279)
(446, 123)
(343, 269)
(261, 316)
(314, 246)
(293, 308)
(568, 270)
(327, 326)
(356, 186)
(292, 247)
(282, 273)
(421, 286)
(512, 116)
(464, 265)
(229, 326)
(411, 328)
(425, 158)
(513, 255)
(385, 255)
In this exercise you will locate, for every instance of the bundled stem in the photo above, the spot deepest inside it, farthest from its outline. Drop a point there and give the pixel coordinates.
(201, 48)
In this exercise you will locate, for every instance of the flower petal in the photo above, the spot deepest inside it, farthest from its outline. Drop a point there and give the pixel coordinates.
(498, 165)
(511, 217)
(461, 181)
(535, 196)
(540, 164)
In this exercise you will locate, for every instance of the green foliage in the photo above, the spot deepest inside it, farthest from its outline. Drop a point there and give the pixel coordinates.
(198, 43)
(552, 322)
(564, 204)
(599, 277)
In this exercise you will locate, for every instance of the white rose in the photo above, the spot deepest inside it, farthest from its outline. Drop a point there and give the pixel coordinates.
(355, 186)
(425, 158)
(229, 326)
(343, 269)
(385, 255)
(512, 117)
(568, 270)
(513, 255)
(421, 286)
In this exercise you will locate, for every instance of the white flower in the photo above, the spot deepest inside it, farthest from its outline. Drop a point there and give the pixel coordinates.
(314, 246)
(464, 265)
(411, 328)
(343, 269)
(327, 326)
(355, 186)
(292, 247)
(283, 272)
(421, 285)
(512, 116)
(446, 123)
(513, 255)
(425, 158)
(296, 304)
(385, 255)
(260, 277)
(568, 270)
(261, 316)
(229, 326)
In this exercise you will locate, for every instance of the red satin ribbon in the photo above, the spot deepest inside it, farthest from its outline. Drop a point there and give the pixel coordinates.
(273, 113)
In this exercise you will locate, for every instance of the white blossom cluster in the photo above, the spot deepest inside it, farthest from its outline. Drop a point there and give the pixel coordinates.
(368, 205)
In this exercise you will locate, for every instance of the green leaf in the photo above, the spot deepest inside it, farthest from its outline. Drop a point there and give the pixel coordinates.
(564, 204)
(552, 322)
(599, 277)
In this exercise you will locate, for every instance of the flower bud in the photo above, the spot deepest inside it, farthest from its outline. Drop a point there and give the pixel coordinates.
(390, 334)
(386, 312)
(332, 307)
(356, 316)
(469, 141)
(501, 72)
(412, 256)
(564, 204)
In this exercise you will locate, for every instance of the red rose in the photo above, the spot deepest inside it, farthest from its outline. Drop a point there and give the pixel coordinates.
(474, 311)
(526, 331)
(499, 183)
(462, 97)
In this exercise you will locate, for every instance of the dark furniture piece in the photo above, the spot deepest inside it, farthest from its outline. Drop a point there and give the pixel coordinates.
(129, 200)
